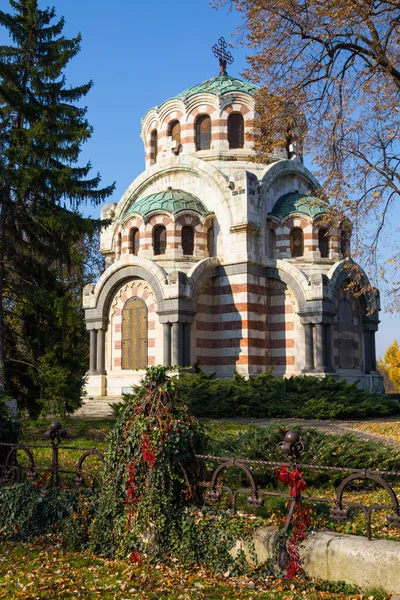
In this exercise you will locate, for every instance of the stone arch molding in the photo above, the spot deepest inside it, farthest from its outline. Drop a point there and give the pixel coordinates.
(296, 281)
(173, 166)
(114, 278)
(141, 285)
(199, 274)
(287, 167)
(276, 171)
(338, 275)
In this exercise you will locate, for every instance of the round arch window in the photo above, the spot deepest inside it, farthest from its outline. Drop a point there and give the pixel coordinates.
(188, 240)
(236, 131)
(323, 243)
(154, 145)
(203, 133)
(174, 132)
(159, 240)
(297, 242)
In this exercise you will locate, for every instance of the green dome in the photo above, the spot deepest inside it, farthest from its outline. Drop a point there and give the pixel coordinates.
(298, 203)
(222, 84)
(172, 201)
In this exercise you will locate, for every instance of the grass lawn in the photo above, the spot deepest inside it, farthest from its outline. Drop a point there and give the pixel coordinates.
(39, 570)
(92, 433)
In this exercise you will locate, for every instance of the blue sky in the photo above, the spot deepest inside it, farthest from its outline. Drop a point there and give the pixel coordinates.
(138, 54)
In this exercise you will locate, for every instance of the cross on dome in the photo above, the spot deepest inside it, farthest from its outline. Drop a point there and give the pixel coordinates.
(221, 53)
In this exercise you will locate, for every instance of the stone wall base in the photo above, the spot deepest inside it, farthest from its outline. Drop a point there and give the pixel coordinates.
(96, 385)
(336, 557)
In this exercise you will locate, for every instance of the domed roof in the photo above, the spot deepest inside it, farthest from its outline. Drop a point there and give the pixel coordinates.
(222, 84)
(172, 201)
(298, 203)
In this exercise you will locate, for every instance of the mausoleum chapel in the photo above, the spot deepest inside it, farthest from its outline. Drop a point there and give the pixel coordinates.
(215, 260)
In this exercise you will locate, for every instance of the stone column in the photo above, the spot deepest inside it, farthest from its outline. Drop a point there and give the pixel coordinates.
(309, 348)
(373, 351)
(186, 345)
(176, 344)
(328, 348)
(167, 344)
(93, 351)
(367, 350)
(101, 351)
(319, 347)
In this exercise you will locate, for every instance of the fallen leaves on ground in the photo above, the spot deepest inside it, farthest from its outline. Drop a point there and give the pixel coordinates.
(389, 430)
(31, 571)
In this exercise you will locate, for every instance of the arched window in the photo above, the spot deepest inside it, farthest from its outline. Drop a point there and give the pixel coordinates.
(118, 245)
(344, 243)
(323, 243)
(134, 241)
(154, 145)
(203, 133)
(210, 239)
(271, 243)
(346, 335)
(134, 334)
(236, 131)
(175, 133)
(159, 239)
(187, 240)
(297, 242)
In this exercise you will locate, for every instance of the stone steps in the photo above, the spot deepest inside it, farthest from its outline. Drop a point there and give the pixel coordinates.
(97, 408)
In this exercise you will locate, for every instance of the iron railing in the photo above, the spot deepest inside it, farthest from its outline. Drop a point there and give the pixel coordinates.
(17, 469)
(21, 465)
(293, 446)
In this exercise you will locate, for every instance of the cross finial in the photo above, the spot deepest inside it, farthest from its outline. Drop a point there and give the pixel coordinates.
(221, 53)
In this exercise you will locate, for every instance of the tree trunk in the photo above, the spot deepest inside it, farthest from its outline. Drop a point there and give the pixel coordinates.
(3, 208)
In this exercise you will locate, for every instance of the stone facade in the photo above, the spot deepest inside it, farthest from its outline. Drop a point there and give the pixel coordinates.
(214, 259)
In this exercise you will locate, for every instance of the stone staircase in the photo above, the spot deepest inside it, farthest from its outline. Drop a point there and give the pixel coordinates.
(96, 408)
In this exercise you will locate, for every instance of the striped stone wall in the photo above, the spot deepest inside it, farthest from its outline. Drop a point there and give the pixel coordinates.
(247, 327)
(161, 121)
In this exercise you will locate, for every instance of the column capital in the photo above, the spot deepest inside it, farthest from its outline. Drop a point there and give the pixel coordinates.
(97, 324)
(177, 318)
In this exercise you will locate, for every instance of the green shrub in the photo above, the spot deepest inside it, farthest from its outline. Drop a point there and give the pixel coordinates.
(266, 396)
(27, 511)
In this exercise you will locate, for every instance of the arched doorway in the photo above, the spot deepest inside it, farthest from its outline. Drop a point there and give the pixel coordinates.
(134, 334)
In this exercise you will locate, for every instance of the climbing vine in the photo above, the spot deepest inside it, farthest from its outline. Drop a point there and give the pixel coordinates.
(300, 519)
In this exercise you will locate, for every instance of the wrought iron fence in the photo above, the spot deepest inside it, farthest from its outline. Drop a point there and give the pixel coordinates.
(21, 464)
(291, 472)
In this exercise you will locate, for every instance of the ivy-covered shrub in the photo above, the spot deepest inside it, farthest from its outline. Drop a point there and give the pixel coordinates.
(150, 471)
(266, 396)
(146, 507)
(9, 430)
(28, 511)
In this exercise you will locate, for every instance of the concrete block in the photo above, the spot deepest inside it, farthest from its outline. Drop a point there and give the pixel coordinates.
(337, 557)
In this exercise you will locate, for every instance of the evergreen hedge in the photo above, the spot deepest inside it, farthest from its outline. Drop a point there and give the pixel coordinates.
(266, 396)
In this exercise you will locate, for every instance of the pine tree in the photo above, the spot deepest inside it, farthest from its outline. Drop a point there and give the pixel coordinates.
(41, 134)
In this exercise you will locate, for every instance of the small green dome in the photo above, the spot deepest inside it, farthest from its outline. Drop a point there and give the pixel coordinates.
(172, 201)
(222, 84)
(298, 203)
